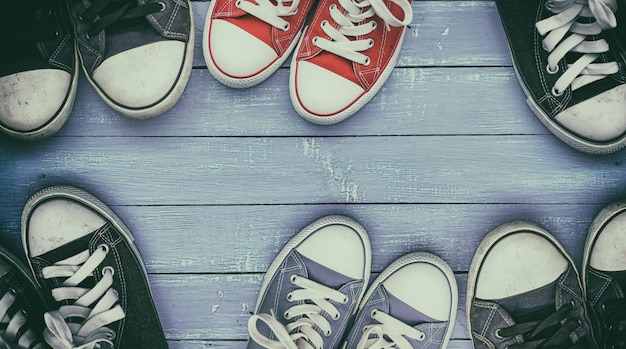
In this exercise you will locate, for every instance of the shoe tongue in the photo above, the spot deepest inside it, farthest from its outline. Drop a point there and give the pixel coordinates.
(406, 313)
(324, 275)
(522, 307)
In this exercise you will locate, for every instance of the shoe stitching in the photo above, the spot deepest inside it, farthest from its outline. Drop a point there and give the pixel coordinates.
(607, 281)
(484, 340)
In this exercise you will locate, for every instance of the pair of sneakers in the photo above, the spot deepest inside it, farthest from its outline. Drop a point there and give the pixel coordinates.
(341, 60)
(137, 54)
(315, 295)
(86, 286)
(525, 292)
(570, 59)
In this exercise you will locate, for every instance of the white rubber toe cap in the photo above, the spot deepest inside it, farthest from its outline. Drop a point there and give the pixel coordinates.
(519, 263)
(30, 99)
(142, 76)
(237, 53)
(56, 222)
(424, 287)
(609, 249)
(601, 118)
(323, 92)
(336, 247)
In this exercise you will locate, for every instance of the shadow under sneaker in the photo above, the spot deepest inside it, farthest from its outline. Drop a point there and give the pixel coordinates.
(38, 68)
(312, 288)
(84, 259)
(604, 275)
(21, 305)
(411, 304)
(523, 291)
(569, 66)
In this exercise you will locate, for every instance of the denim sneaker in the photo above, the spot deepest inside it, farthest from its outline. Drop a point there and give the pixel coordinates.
(570, 68)
(604, 275)
(411, 304)
(21, 305)
(137, 54)
(345, 56)
(311, 290)
(38, 68)
(84, 259)
(246, 41)
(523, 291)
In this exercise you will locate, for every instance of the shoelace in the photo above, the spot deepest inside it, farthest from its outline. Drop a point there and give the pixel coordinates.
(616, 323)
(388, 327)
(95, 307)
(352, 23)
(107, 13)
(14, 325)
(598, 15)
(300, 333)
(552, 332)
(269, 13)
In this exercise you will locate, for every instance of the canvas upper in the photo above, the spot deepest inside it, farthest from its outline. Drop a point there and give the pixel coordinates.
(136, 53)
(345, 55)
(38, 69)
(84, 259)
(411, 304)
(311, 291)
(569, 66)
(604, 275)
(524, 292)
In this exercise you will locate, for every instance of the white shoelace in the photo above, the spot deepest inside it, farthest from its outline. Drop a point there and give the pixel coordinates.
(302, 332)
(13, 325)
(348, 25)
(583, 71)
(390, 327)
(98, 306)
(269, 13)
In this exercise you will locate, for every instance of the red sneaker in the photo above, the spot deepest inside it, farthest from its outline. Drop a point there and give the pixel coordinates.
(245, 41)
(345, 55)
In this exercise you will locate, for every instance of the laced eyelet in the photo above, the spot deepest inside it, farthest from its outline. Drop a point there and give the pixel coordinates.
(289, 297)
(286, 315)
(367, 61)
(332, 6)
(162, 6)
(497, 334)
(109, 268)
(328, 333)
(373, 313)
(104, 247)
(422, 337)
(345, 300)
(374, 24)
(371, 43)
(286, 26)
(324, 23)
(293, 278)
(556, 93)
(552, 71)
(87, 36)
(314, 41)
(12, 291)
(238, 4)
(336, 316)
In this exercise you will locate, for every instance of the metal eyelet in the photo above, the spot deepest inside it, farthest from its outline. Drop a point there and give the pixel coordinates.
(345, 300)
(328, 333)
(367, 61)
(162, 6)
(324, 23)
(336, 316)
(422, 337)
(371, 43)
(314, 41)
(552, 71)
(238, 4)
(293, 278)
(373, 313)
(497, 334)
(556, 93)
(286, 26)
(289, 297)
(332, 6)
(286, 315)
(104, 247)
(374, 24)
(109, 268)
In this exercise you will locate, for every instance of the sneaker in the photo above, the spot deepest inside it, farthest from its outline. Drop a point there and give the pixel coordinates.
(570, 69)
(246, 41)
(38, 69)
(523, 291)
(604, 275)
(23, 306)
(137, 54)
(345, 56)
(311, 291)
(84, 259)
(411, 304)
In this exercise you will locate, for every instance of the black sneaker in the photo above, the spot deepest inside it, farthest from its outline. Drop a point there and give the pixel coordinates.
(568, 63)
(604, 275)
(84, 259)
(21, 305)
(137, 54)
(38, 68)
(523, 291)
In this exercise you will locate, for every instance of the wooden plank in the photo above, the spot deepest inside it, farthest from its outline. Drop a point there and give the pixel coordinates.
(414, 101)
(217, 307)
(442, 33)
(251, 171)
(245, 239)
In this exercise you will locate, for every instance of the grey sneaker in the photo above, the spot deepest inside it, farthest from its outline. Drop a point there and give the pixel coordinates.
(38, 68)
(604, 275)
(311, 291)
(411, 304)
(84, 259)
(523, 291)
(21, 305)
(137, 54)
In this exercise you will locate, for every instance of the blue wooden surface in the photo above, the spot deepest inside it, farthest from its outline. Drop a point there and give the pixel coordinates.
(213, 188)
